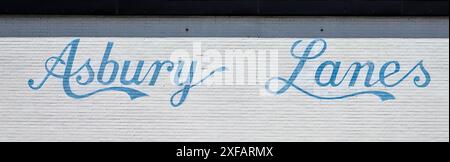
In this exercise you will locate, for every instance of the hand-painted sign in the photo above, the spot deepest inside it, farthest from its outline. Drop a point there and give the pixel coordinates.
(142, 73)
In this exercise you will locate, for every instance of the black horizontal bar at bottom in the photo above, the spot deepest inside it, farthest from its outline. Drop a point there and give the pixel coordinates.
(218, 151)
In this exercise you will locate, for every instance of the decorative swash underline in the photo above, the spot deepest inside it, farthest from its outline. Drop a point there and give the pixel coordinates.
(384, 96)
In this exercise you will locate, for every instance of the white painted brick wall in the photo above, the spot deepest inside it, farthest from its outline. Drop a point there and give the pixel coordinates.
(223, 112)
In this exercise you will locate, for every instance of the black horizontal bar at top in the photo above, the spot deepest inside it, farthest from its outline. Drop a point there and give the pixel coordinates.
(229, 7)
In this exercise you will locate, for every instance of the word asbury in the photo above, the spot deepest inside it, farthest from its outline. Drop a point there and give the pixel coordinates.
(141, 74)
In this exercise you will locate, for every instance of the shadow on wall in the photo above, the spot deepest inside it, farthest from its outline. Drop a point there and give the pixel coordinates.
(264, 27)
